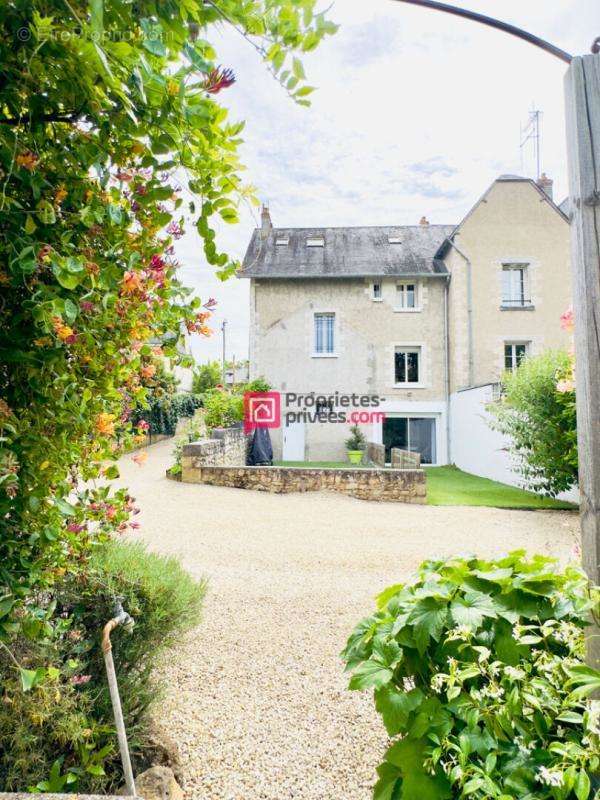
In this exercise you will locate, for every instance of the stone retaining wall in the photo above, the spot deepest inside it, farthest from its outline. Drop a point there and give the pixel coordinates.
(226, 448)
(400, 486)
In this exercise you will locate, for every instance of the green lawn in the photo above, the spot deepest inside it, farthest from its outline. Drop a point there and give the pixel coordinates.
(450, 486)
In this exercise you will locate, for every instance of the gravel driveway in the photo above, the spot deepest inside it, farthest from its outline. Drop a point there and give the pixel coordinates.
(258, 701)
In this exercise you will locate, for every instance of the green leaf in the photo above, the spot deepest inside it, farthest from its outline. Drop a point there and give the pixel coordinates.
(45, 212)
(298, 69)
(112, 472)
(471, 609)
(30, 225)
(395, 707)
(66, 509)
(370, 674)
(97, 17)
(31, 677)
(429, 617)
(582, 785)
(417, 784)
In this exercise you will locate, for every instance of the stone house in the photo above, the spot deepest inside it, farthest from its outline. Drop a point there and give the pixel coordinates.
(423, 317)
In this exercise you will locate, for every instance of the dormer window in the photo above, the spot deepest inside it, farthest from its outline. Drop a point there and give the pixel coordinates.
(282, 242)
(394, 240)
(316, 241)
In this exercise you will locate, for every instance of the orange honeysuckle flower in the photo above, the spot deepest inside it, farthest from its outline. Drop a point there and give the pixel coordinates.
(60, 195)
(105, 424)
(148, 371)
(132, 282)
(27, 160)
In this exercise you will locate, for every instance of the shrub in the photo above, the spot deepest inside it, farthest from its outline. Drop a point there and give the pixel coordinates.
(223, 409)
(257, 385)
(537, 412)
(206, 377)
(65, 721)
(357, 440)
(473, 664)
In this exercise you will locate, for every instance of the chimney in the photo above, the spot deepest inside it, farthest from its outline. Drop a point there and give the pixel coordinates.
(546, 183)
(266, 226)
(424, 221)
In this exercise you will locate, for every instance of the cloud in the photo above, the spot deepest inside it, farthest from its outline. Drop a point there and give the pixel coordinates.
(416, 113)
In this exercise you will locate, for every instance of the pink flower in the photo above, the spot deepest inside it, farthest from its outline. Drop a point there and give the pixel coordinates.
(134, 525)
(565, 385)
(80, 680)
(156, 262)
(87, 306)
(218, 79)
(174, 229)
(143, 425)
(73, 527)
(567, 321)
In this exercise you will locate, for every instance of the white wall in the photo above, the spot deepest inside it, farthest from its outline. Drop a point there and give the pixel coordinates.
(475, 447)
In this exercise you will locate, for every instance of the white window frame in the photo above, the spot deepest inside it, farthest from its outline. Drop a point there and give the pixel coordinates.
(513, 344)
(521, 298)
(377, 298)
(315, 241)
(402, 297)
(409, 348)
(324, 353)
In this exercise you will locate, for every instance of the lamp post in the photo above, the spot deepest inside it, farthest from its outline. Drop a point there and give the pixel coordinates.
(582, 92)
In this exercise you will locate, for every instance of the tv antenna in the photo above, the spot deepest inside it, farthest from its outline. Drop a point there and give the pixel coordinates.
(532, 132)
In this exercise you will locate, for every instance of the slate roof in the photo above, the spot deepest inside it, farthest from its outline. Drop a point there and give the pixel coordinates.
(347, 253)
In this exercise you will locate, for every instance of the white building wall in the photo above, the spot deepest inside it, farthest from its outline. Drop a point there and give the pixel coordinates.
(475, 447)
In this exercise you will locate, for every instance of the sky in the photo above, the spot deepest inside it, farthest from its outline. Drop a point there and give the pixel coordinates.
(415, 113)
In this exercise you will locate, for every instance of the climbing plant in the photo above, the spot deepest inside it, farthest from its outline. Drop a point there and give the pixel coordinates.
(111, 137)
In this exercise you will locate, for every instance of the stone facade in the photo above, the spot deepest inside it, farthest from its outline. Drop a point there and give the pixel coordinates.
(400, 486)
(459, 324)
(405, 459)
(226, 448)
(376, 454)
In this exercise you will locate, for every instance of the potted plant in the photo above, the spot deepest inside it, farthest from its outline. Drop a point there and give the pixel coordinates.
(356, 445)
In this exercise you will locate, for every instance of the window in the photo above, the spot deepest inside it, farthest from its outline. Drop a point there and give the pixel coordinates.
(324, 333)
(406, 296)
(407, 365)
(376, 294)
(514, 353)
(515, 290)
(316, 242)
(394, 240)
(282, 242)
(415, 434)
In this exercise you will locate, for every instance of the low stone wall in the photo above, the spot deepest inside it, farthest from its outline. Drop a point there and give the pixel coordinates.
(25, 796)
(400, 486)
(404, 459)
(376, 454)
(226, 448)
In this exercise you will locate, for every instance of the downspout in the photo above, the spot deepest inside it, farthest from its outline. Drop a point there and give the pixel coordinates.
(469, 311)
(447, 369)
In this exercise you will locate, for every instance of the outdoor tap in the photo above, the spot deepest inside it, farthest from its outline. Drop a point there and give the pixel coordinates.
(121, 617)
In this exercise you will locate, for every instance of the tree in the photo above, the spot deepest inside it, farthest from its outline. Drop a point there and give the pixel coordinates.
(103, 106)
(206, 377)
(537, 411)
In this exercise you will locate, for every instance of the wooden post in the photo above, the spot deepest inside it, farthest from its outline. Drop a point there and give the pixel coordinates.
(583, 142)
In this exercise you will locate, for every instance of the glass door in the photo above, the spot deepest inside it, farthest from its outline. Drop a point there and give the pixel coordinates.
(416, 434)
